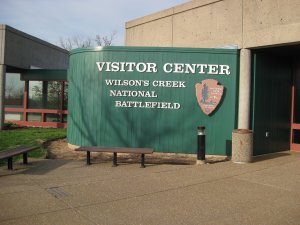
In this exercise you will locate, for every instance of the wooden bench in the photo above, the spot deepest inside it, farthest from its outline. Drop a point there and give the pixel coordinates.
(116, 150)
(10, 153)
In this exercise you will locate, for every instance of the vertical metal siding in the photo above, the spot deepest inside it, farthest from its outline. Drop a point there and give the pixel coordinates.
(93, 119)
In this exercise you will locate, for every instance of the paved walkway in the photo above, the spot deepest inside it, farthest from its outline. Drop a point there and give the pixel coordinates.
(68, 192)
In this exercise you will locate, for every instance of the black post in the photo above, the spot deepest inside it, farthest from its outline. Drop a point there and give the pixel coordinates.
(115, 160)
(10, 163)
(25, 158)
(88, 158)
(142, 160)
(201, 143)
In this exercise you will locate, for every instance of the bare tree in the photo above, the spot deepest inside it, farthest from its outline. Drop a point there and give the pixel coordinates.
(80, 42)
(65, 43)
(105, 40)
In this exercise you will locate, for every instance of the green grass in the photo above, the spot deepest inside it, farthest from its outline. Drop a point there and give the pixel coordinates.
(30, 136)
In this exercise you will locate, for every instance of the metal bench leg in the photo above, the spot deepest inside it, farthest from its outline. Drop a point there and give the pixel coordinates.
(88, 158)
(115, 159)
(25, 158)
(142, 160)
(10, 163)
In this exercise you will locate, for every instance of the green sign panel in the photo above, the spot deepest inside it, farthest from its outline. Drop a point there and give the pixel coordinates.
(152, 97)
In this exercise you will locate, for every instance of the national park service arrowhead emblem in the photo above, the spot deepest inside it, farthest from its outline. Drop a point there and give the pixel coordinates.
(209, 94)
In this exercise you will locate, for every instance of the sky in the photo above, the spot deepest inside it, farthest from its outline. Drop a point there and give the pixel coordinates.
(51, 20)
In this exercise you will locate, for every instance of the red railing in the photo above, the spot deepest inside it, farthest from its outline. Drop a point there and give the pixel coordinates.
(42, 123)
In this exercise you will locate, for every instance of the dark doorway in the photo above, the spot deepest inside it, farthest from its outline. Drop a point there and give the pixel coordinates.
(272, 82)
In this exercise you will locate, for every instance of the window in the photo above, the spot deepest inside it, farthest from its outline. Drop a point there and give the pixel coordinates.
(65, 118)
(14, 91)
(13, 116)
(53, 90)
(45, 94)
(35, 95)
(35, 117)
(52, 117)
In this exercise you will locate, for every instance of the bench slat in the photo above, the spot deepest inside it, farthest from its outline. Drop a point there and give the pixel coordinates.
(10, 153)
(16, 151)
(116, 150)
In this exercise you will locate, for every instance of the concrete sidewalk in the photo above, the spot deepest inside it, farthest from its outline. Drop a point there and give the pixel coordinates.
(69, 192)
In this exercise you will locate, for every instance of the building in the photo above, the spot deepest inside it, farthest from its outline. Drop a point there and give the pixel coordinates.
(33, 75)
(151, 92)
(267, 34)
